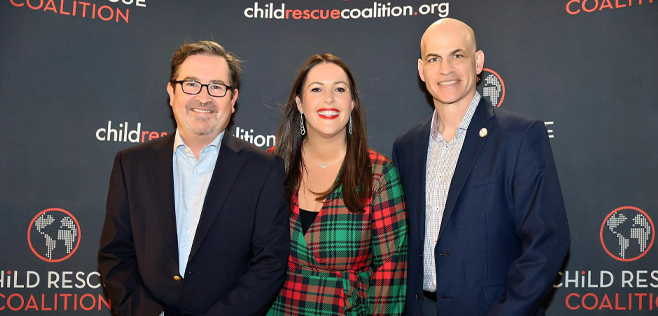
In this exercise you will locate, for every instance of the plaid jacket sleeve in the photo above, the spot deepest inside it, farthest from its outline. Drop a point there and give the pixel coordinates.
(387, 290)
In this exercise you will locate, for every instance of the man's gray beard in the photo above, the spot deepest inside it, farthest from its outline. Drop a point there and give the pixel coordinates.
(208, 105)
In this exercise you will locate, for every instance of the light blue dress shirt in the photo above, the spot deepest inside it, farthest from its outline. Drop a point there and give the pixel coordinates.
(191, 180)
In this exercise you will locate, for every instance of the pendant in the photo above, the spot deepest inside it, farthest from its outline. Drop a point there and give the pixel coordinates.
(323, 165)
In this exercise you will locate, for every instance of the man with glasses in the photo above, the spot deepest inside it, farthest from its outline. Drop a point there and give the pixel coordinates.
(196, 222)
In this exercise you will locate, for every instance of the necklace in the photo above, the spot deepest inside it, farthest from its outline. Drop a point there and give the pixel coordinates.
(323, 165)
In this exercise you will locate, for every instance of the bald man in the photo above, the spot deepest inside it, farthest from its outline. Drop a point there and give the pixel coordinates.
(488, 231)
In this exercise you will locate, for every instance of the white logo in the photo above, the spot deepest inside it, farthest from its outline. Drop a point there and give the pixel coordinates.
(54, 235)
(627, 233)
(124, 133)
(266, 141)
(492, 87)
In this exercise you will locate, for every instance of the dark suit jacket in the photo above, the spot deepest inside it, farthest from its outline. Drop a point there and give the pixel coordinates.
(504, 233)
(240, 251)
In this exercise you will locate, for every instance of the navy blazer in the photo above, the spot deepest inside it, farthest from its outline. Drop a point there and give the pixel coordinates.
(504, 233)
(240, 250)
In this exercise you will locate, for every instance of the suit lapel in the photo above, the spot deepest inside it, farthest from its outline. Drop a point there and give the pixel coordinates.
(469, 154)
(228, 166)
(419, 174)
(162, 177)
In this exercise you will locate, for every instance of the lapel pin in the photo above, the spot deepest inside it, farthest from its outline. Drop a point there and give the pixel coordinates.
(483, 132)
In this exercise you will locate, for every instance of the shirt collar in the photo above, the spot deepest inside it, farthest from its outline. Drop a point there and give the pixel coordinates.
(466, 120)
(178, 141)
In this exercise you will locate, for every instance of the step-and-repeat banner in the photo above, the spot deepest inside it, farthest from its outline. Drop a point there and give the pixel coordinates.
(81, 80)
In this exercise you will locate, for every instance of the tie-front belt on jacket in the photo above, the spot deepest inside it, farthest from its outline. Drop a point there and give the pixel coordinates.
(351, 285)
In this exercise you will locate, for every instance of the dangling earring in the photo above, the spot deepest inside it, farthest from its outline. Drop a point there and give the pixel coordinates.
(349, 125)
(302, 128)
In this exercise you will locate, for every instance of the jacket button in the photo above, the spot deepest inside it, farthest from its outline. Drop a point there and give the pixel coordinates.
(417, 297)
(177, 278)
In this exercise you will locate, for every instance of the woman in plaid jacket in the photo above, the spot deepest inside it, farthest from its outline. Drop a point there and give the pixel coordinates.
(347, 221)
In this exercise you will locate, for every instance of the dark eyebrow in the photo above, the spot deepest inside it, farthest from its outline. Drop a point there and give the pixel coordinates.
(198, 80)
(458, 50)
(321, 83)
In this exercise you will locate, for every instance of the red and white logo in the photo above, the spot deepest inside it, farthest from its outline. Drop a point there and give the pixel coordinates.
(627, 233)
(54, 235)
(492, 87)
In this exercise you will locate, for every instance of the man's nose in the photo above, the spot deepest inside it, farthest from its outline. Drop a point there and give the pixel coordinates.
(445, 66)
(204, 96)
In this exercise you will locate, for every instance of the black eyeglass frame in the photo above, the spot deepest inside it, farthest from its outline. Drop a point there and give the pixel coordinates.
(207, 85)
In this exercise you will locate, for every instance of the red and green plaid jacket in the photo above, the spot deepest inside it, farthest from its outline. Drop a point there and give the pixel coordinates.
(349, 263)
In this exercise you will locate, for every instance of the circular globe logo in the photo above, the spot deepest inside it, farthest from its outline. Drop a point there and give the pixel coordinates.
(492, 87)
(627, 233)
(54, 235)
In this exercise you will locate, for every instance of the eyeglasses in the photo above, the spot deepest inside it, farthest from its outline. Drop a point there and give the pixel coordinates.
(194, 87)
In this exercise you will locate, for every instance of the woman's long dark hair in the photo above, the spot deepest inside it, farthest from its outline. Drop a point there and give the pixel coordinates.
(356, 173)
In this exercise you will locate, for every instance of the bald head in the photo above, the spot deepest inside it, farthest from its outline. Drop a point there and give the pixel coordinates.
(450, 62)
(449, 27)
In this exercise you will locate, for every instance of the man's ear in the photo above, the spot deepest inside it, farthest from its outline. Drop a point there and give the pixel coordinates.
(170, 91)
(479, 61)
(421, 74)
(233, 100)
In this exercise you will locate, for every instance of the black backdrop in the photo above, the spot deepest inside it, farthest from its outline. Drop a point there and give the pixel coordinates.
(75, 75)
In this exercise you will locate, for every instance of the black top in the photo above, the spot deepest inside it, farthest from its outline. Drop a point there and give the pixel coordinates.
(306, 218)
